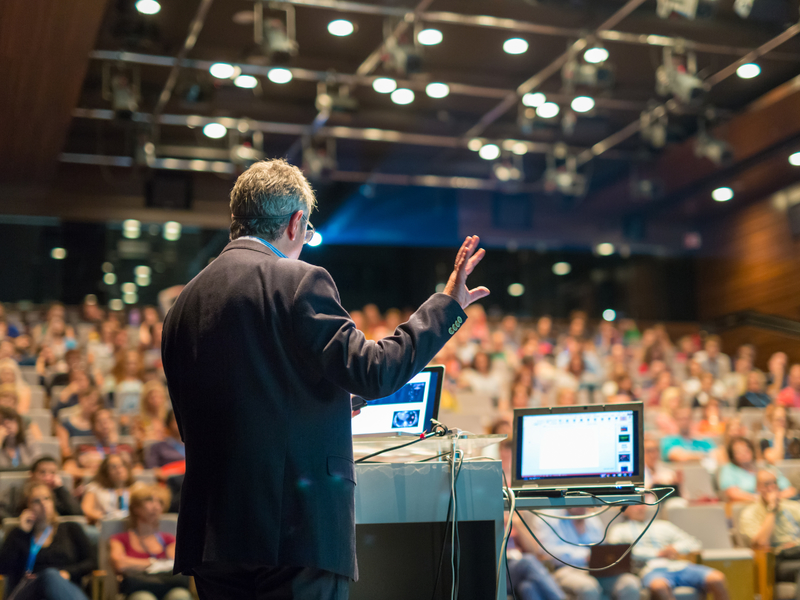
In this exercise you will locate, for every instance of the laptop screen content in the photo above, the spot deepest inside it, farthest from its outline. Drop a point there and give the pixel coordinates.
(566, 446)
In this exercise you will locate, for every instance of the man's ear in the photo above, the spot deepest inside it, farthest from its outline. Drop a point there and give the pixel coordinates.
(293, 229)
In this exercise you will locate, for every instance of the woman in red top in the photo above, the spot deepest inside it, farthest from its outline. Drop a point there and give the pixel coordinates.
(143, 556)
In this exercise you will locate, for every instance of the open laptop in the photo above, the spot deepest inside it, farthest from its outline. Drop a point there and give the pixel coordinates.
(590, 448)
(407, 411)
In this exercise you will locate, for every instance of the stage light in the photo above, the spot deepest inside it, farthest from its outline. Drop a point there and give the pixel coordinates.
(128, 288)
(247, 82)
(605, 249)
(108, 267)
(279, 75)
(562, 268)
(548, 110)
(222, 70)
(131, 229)
(116, 304)
(520, 148)
(316, 239)
(595, 55)
(429, 37)
(475, 144)
(534, 99)
(340, 27)
(215, 130)
(582, 104)
(58, 253)
(748, 71)
(794, 159)
(722, 194)
(515, 46)
(142, 271)
(109, 279)
(143, 281)
(714, 149)
(609, 315)
(489, 152)
(402, 96)
(516, 289)
(172, 231)
(437, 90)
(131, 298)
(148, 7)
(384, 85)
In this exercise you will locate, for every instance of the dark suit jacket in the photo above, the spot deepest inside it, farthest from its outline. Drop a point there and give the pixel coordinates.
(261, 359)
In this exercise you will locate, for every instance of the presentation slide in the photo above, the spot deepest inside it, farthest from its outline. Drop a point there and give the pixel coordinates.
(403, 412)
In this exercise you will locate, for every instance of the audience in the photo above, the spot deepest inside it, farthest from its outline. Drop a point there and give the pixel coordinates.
(108, 494)
(88, 456)
(790, 395)
(755, 395)
(683, 446)
(14, 450)
(149, 423)
(737, 479)
(44, 471)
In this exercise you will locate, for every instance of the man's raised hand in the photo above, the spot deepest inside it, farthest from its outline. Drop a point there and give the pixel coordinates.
(466, 261)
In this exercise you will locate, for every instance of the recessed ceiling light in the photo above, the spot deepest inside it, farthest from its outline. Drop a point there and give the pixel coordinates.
(142, 271)
(595, 55)
(605, 249)
(384, 85)
(516, 289)
(340, 27)
(109, 279)
(429, 37)
(609, 314)
(515, 46)
(245, 81)
(475, 144)
(172, 231)
(108, 267)
(279, 75)
(548, 110)
(489, 152)
(562, 268)
(794, 159)
(582, 104)
(520, 148)
(116, 304)
(58, 253)
(215, 130)
(131, 229)
(148, 7)
(722, 194)
(437, 90)
(748, 71)
(131, 298)
(222, 70)
(128, 288)
(534, 99)
(402, 96)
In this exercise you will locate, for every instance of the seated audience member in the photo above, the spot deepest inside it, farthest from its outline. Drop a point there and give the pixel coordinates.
(481, 379)
(671, 399)
(654, 394)
(656, 473)
(737, 479)
(576, 583)
(659, 552)
(736, 381)
(684, 447)
(771, 522)
(776, 373)
(78, 423)
(691, 385)
(44, 471)
(709, 388)
(63, 558)
(78, 382)
(149, 424)
(712, 359)
(790, 395)
(87, 457)
(14, 450)
(108, 494)
(10, 374)
(733, 429)
(778, 439)
(566, 396)
(125, 386)
(171, 449)
(711, 423)
(755, 395)
(143, 556)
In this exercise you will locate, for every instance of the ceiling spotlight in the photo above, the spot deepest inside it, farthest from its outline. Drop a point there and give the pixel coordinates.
(515, 46)
(562, 268)
(429, 37)
(143, 280)
(475, 144)
(534, 99)
(222, 70)
(582, 104)
(722, 194)
(384, 85)
(548, 110)
(215, 130)
(609, 315)
(130, 298)
(172, 231)
(116, 304)
(58, 253)
(605, 249)
(245, 81)
(489, 152)
(748, 71)
(128, 288)
(520, 148)
(794, 159)
(402, 96)
(148, 7)
(142, 271)
(340, 27)
(279, 75)
(108, 267)
(595, 55)
(109, 279)
(437, 90)
(131, 229)
(316, 239)
(516, 289)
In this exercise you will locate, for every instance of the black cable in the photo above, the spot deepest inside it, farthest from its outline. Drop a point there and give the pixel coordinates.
(590, 545)
(508, 572)
(444, 540)
(424, 436)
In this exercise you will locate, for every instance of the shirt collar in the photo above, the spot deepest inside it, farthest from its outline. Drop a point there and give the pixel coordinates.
(277, 252)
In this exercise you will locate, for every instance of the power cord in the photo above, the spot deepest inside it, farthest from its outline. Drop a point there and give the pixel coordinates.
(438, 430)
(444, 538)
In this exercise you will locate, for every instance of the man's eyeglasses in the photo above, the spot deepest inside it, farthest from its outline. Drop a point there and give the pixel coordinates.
(309, 231)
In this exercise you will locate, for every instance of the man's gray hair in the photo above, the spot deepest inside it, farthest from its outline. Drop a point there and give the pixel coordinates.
(270, 188)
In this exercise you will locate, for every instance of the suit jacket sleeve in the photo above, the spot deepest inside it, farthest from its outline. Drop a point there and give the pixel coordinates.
(328, 338)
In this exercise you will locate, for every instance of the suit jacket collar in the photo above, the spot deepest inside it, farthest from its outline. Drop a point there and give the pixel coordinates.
(239, 244)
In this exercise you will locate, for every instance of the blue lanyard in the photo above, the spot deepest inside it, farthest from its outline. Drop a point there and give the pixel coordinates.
(277, 252)
(15, 459)
(36, 546)
(122, 500)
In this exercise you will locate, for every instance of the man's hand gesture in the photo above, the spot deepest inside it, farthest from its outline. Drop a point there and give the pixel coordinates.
(466, 260)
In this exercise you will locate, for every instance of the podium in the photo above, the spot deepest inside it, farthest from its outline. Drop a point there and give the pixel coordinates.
(401, 515)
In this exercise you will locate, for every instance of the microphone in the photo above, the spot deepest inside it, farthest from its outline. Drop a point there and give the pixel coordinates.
(439, 428)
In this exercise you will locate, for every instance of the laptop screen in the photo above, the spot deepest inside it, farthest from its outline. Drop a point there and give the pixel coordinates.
(598, 442)
(409, 410)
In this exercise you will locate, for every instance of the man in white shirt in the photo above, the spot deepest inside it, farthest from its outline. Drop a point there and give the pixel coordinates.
(659, 551)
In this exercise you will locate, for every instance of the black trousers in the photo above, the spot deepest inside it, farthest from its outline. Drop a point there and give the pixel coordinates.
(217, 581)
